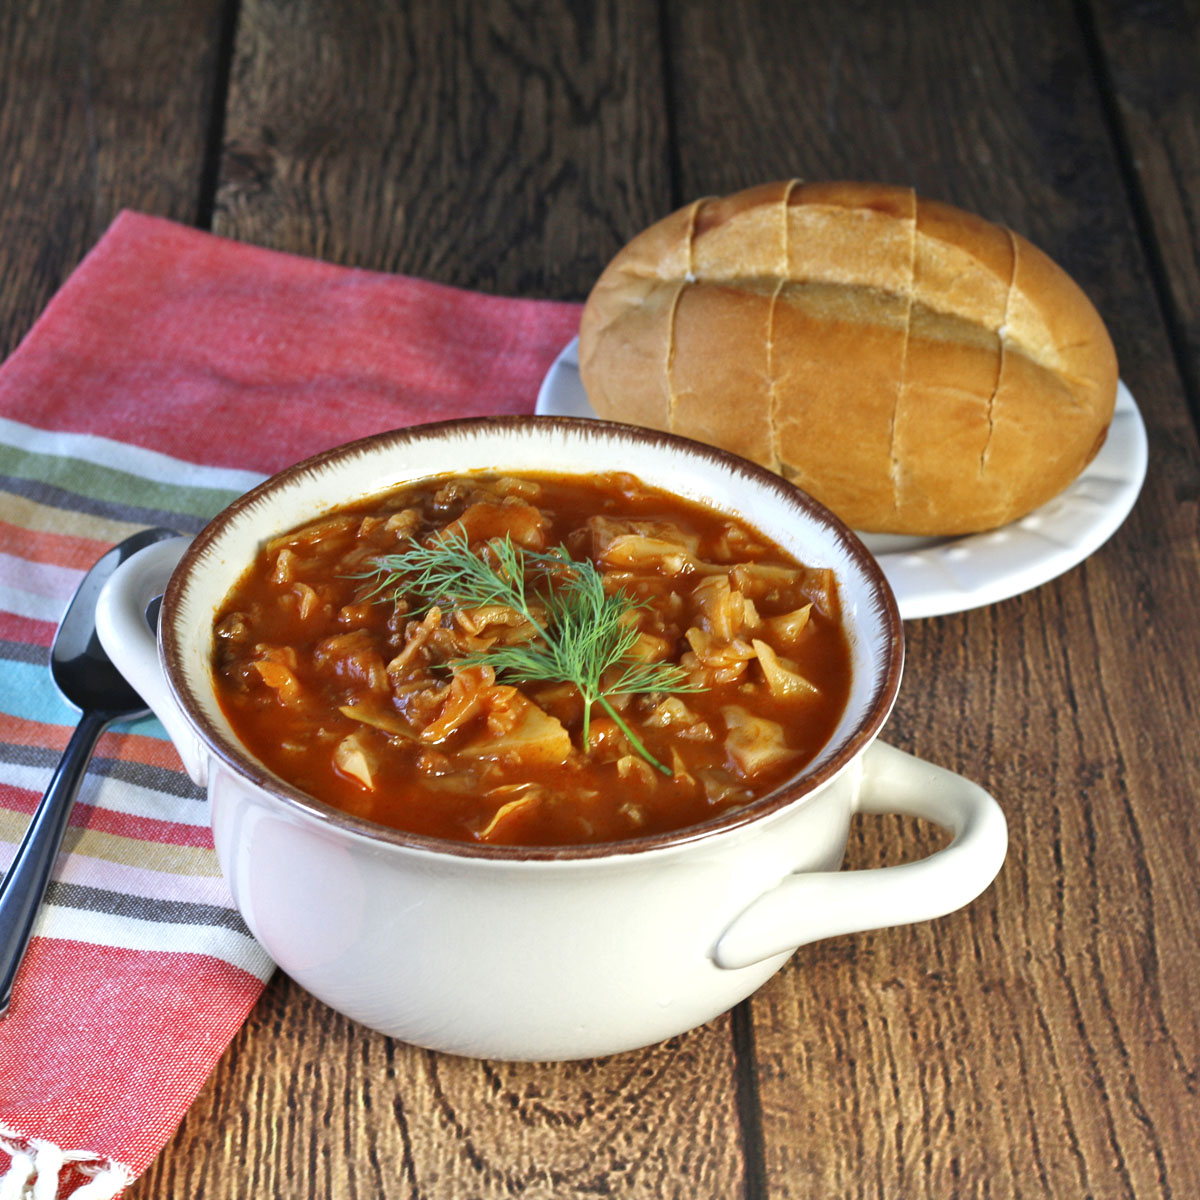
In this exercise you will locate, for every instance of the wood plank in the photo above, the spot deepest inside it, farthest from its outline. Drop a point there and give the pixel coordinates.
(500, 146)
(92, 120)
(307, 1103)
(1150, 57)
(508, 147)
(1042, 1042)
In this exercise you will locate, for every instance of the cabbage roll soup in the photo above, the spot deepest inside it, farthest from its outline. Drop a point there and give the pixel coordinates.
(544, 660)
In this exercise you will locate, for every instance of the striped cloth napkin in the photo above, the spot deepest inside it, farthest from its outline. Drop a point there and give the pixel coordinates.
(173, 371)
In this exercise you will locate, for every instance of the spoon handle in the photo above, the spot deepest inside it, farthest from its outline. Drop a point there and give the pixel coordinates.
(24, 884)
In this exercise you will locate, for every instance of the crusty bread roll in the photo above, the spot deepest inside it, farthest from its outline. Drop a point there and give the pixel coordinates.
(914, 367)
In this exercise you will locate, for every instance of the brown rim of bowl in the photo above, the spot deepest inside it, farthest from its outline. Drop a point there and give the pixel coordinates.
(236, 757)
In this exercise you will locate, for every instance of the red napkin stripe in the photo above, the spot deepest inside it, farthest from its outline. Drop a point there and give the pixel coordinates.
(325, 354)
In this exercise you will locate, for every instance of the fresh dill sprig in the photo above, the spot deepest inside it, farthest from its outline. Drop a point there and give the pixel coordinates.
(449, 570)
(584, 632)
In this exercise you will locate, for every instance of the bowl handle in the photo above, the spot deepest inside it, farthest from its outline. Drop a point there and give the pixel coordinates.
(129, 642)
(808, 906)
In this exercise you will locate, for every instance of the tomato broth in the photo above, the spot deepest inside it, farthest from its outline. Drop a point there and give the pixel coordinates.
(355, 663)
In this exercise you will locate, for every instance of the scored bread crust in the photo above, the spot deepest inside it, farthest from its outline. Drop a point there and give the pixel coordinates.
(915, 367)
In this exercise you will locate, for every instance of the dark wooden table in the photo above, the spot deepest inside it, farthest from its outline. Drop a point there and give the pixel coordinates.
(1046, 1040)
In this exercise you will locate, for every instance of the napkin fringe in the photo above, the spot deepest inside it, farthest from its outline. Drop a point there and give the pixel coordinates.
(36, 1166)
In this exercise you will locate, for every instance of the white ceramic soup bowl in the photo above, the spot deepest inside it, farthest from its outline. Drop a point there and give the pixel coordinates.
(546, 953)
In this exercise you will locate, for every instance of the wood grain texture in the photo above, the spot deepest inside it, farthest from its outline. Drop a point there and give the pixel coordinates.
(94, 117)
(1149, 55)
(504, 146)
(306, 1103)
(1042, 1042)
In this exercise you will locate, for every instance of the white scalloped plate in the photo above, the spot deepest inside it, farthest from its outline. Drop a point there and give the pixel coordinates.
(933, 576)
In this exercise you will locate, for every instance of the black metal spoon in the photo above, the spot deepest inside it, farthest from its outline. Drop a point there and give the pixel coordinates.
(87, 678)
